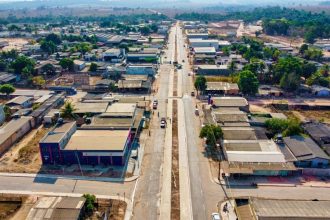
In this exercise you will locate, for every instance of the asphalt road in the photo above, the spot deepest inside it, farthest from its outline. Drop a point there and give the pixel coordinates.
(147, 199)
(65, 186)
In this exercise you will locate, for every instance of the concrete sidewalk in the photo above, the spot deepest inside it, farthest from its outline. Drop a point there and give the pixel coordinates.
(185, 191)
(101, 179)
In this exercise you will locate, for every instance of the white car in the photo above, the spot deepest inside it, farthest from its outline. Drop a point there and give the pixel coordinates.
(216, 216)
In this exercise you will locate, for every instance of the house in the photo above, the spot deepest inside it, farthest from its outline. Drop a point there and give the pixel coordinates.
(222, 88)
(230, 102)
(79, 65)
(320, 91)
(67, 145)
(320, 133)
(141, 69)
(307, 152)
(214, 70)
(254, 157)
(230, 117)
(90, 107)
(13, 131)
(20, 102)
(69, 208)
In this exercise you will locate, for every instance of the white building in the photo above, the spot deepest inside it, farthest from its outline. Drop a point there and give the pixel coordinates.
(204, 43)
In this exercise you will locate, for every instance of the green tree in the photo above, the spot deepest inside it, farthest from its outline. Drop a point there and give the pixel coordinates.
(290, 82)
(48, 46)
(90, 201)
(38, 81)
(248, 82)
(55, 38)
(212, 133)
(287, 127)
(49, 69)
(200, 83)
(93, 67)
(67, 111)
(67, 64)
(285, 66)
(318, 79)
(308, 69)
(23, 62)
(7, 89)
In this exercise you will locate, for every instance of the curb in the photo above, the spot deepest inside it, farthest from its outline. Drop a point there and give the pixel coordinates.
(100, 179)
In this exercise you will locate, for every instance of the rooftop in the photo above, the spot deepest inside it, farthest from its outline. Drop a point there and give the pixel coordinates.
(19, 100)
(57, 208)
(304, 148)
(222, 86)
(58, 133)
(84, 107)
(293, 209)
(122, 109)
(229, 101)
(204, 49)
(98, 140)
(11, 127)
(253, 151)
(238, 133)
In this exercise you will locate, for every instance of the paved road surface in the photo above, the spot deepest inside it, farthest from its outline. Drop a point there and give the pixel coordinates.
(147, 199)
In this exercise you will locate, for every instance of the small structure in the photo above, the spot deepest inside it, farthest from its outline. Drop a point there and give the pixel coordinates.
(203, 43)
(307, 152)
(79, 65)
(68, 208)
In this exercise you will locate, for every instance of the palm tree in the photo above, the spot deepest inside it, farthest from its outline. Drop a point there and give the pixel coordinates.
(68, 111)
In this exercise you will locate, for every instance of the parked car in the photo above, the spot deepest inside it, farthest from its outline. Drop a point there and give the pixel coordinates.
(216, 216)
(163, 123)
(192, 93)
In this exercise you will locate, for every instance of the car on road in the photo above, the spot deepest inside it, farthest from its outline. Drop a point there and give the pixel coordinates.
(155, 104)
(182, 61)
(215, 216)
(192, 93)
(163, 123)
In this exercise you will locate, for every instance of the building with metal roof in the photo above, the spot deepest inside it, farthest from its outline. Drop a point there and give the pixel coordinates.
(55, 208)
(307, 152)
(271, 209)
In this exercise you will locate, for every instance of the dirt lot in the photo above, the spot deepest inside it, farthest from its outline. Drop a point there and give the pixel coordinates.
(24, 156)
(175, 195)
(319, 115)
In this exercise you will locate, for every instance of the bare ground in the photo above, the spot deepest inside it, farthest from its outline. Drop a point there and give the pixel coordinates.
(175, 187)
